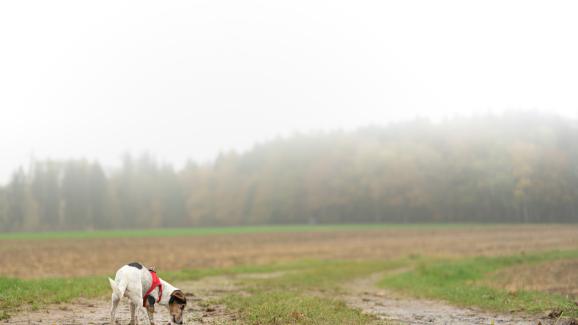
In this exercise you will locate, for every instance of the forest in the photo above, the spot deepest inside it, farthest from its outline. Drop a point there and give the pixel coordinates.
(510, 168)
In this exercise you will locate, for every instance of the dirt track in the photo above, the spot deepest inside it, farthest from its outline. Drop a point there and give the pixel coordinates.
(362, 294)
(96, 311)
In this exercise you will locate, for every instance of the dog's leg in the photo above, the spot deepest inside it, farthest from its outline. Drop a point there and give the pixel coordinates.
(133, 315)
(114, 304)
(151, 313)
(149, 306)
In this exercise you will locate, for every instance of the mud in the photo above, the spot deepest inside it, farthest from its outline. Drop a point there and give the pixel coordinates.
(388, 306)
(201, 308)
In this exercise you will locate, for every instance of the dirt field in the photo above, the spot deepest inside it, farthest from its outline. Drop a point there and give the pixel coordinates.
(77, 257)
(556, 276)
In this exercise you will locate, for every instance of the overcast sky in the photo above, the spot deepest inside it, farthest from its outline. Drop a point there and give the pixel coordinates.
(190, 78)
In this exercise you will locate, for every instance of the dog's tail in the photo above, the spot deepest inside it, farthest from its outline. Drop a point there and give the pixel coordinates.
(117, 289)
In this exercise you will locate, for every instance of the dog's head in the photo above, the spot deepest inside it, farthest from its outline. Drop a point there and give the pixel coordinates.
(177, 304)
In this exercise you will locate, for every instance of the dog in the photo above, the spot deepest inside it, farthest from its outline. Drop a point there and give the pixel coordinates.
(143, 287)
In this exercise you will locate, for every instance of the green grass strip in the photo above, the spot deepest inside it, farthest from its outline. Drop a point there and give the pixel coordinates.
(205, 231)
(277, 307)
(15, 293)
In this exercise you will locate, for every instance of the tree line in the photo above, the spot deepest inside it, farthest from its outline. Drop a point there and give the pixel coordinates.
(512, 168)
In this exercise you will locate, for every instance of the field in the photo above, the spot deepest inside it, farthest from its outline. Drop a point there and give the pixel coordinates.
(352, 274)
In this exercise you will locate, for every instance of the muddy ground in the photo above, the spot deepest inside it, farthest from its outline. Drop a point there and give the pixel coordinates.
(200, 309)
(78, 257)
(387, 307)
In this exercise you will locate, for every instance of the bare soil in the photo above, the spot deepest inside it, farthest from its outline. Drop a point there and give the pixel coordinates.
(553, 276)
(79, 257)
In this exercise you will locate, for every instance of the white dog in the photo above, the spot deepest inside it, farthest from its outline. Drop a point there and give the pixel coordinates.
(142, 286)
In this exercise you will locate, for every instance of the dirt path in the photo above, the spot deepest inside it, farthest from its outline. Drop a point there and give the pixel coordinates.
(362, 294)
(200, 309)
(365, 295)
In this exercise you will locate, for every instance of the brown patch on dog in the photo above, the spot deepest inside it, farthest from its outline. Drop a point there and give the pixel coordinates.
(179, 297)
(177, 304)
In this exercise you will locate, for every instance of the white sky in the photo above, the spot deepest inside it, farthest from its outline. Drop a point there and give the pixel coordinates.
(190, 78)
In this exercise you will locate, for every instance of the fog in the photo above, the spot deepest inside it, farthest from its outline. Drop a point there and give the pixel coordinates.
(190, 79)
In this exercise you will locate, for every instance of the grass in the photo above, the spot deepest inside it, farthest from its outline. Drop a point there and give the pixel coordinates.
(291, 299)
(195, 274)
(39, 292)
(277, 307)
(323, 275)
(460, 283)
(205, 231)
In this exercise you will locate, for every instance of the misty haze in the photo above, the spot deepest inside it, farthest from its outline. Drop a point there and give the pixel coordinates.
(307, 162)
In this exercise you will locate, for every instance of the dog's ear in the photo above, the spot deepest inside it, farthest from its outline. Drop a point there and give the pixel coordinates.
(179, 297)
